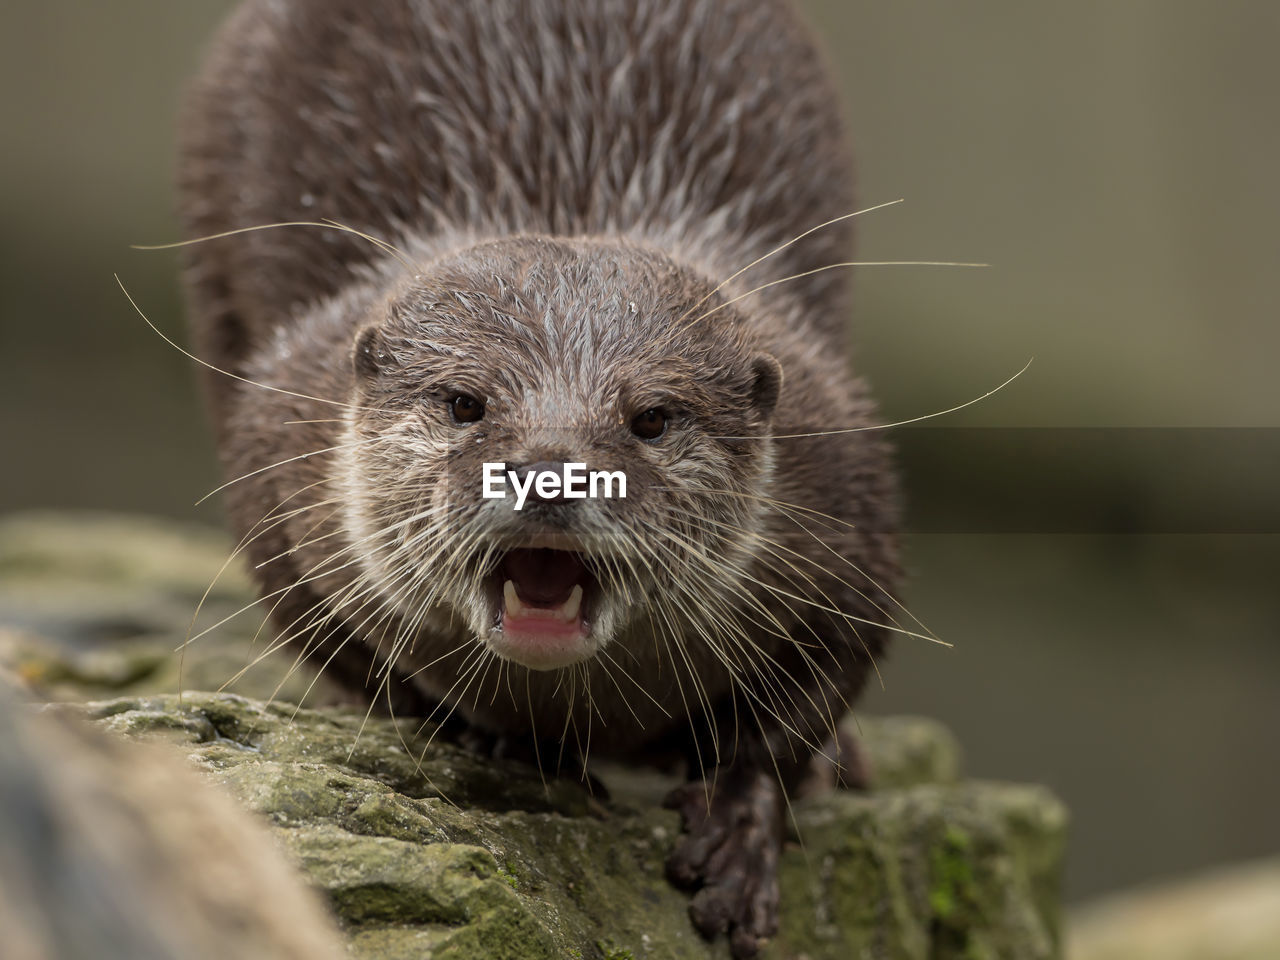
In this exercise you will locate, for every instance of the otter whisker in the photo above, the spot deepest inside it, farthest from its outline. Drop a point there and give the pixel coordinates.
(831, 266)
(440, 659)
(245, 541)
(831, 603)
(308, 576)
(204, 363)
(707, 712)
(307, 540)
(607, 658)
(325, 223)
(316, 641)
(280, 463)
(471, 662)
(533, 731)
(313, 574)
(395, 723)
(783, 246)
(767, 670)
(775, 626)
(467, 672)
(280, 592)
(897, 423)
(735, 631)
(786, 509)
(715, 567)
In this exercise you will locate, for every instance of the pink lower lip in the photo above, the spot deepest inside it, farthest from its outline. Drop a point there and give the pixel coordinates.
(544, 627)
(541, 643)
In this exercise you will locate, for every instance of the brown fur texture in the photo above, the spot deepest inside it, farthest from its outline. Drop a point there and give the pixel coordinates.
(567, 184)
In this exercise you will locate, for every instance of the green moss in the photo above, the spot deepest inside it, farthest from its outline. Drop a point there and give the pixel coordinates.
(609, 952)
(953, 881)
(507, 873)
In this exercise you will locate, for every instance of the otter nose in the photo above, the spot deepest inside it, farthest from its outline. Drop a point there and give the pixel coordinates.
(550, 492)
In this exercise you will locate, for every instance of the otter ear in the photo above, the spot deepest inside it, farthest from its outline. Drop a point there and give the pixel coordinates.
(370, 353)
(767, 384)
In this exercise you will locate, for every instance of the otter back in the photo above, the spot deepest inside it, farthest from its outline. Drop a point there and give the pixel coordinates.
(707, 125)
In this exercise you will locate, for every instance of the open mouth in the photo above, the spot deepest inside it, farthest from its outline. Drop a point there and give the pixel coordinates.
(544, 601)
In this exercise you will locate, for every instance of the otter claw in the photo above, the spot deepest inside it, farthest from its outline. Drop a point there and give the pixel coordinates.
(729, 854)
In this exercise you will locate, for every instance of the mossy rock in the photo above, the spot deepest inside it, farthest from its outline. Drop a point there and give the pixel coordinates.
(98, 605)
(424, 850)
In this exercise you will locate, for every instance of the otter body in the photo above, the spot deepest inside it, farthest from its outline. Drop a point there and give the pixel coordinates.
(567, 186)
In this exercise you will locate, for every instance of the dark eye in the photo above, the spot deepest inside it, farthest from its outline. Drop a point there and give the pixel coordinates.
(466, 409)
(649, 425)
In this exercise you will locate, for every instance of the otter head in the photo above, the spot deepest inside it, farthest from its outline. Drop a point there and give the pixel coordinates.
(512, 359)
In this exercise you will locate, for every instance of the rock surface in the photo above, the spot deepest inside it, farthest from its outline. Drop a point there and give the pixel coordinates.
(423, 850)
(1229, 914)
(117, 851)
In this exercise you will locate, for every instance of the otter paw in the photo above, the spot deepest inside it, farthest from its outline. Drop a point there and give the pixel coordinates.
(729, 855)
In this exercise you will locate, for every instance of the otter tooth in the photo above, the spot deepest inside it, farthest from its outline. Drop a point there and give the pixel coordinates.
(567, 611)
(570, 609)
(514, 606)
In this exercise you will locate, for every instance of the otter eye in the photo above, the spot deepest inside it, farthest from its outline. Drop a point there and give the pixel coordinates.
(466, 409)
(649, 425)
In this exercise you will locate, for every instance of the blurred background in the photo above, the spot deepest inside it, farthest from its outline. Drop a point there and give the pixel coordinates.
(1099, 541)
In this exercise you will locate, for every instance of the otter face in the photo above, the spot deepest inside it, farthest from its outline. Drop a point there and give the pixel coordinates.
(532, 354)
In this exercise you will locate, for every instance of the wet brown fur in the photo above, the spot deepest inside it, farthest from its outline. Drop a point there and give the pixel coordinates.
(568, 181)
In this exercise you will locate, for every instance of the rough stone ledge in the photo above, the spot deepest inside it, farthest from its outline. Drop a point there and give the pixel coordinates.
(460, 857)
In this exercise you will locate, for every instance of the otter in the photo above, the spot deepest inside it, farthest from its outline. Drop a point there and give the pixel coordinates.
(570, 232)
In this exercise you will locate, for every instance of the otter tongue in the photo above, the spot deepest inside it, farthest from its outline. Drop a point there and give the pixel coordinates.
(542, 577)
